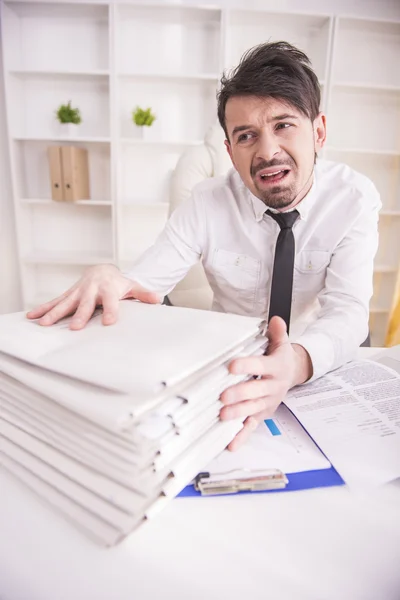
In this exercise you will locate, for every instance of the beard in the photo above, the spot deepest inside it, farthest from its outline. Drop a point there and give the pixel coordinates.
(278, 197)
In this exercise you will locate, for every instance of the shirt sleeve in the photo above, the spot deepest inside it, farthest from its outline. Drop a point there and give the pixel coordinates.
(179, 246)
(342, 323)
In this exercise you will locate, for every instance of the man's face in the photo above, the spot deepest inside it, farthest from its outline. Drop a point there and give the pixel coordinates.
(272, 146)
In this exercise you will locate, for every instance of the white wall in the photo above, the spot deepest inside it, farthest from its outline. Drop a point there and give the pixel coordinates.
(10, 298)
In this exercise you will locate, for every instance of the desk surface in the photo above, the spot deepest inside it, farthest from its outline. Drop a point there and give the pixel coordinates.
(316, 544)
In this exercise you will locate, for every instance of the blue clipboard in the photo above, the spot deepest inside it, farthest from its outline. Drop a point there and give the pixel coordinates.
(296, 481)
(305, 480)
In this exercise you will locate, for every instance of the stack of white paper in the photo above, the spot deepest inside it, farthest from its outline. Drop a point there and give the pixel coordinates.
(108, 423)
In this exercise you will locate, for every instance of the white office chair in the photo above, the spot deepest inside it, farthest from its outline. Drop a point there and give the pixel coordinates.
(209, 159)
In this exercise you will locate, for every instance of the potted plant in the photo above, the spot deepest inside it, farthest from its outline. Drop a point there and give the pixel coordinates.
(143, 119)
(69, 118)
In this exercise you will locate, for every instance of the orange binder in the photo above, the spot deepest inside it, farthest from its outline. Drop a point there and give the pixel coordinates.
(75, 169)
(56, 178)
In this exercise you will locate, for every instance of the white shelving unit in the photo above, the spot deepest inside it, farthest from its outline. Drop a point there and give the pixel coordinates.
(364, 95)
(108, 57)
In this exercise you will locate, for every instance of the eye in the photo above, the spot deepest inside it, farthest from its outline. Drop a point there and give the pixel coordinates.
(283, 125)
(244, 137)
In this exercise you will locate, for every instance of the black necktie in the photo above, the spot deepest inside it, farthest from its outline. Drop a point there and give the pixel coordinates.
(282, 276)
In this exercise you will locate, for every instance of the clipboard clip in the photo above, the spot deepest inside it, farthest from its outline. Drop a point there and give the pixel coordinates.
(233, 482)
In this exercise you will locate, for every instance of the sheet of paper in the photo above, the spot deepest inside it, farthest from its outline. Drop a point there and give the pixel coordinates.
(354, 415)
(278, 443)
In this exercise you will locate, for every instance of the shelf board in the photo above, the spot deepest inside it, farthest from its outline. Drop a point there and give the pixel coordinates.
(48, 202)
(376, 87)
(379, 310)
(52, 138)
(390, 213)
(140, 142)
(385, 269)
(143, 204)
(69, 258)
(363, 151)
(58, 74)
(173, 76)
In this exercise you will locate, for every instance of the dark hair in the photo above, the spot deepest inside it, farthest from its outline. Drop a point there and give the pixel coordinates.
(275, 70)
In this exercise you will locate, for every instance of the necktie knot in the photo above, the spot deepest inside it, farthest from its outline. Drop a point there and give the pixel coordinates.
(285, 220)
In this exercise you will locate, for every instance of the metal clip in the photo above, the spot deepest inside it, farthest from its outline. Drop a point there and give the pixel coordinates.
(232, 482)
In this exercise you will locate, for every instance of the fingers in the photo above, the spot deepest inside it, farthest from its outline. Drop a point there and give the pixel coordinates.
(276, 334)
(64, 308)
(251, 365)
(249, 390)
(39, 311)
(250, 425)
(110, 303)
(248, 408)
(84, 311)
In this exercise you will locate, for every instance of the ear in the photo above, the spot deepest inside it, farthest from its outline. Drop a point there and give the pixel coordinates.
(229, 150)
(319, 127)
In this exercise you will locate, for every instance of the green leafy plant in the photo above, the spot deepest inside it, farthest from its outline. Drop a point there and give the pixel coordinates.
(143, 117)
(67, 114)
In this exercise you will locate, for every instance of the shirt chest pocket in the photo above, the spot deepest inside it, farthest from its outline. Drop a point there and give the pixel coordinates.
(312, 262)
(237, 271)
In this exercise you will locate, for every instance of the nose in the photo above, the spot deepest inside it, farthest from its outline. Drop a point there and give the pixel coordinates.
(268, 146)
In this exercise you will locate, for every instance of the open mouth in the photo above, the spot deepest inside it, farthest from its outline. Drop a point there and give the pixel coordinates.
(274, 176)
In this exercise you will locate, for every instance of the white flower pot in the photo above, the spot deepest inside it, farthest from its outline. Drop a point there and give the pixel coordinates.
(68, 130)
(142, 132)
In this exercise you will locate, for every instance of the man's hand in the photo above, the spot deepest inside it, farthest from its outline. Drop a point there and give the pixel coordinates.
(284, 366)
(100, 285)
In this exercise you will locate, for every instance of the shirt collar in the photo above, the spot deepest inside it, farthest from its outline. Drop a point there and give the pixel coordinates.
(304, 206)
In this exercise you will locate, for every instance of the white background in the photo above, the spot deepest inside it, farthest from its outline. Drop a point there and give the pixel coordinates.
(9, 288)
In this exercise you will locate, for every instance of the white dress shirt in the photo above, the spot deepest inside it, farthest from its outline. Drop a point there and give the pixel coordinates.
(336, 239)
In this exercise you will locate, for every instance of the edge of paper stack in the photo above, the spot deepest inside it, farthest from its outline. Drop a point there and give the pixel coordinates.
(107, 424)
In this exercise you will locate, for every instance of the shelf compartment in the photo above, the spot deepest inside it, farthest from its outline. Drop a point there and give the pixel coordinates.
(184, 109)
(383, 170)
(355, 119)
(37, 117)
(150, 179)
(248, 28)
(33, 171)
(188, 36)
(366, 50)
(41, 35)
(389, 244)
(384, 286)
(66, 234)
(378, 326)
(141, 228)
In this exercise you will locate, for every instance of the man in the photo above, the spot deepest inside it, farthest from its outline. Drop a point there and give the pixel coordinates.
(282, 235)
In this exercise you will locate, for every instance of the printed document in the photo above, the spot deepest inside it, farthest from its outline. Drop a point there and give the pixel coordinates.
(353, 414)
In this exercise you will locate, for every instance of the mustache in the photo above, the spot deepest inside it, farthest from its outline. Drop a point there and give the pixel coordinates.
(265, 164)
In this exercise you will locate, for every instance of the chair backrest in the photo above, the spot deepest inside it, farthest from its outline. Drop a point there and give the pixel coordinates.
(209, 159)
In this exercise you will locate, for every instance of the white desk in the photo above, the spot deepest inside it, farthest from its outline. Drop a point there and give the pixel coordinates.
(318, 544)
